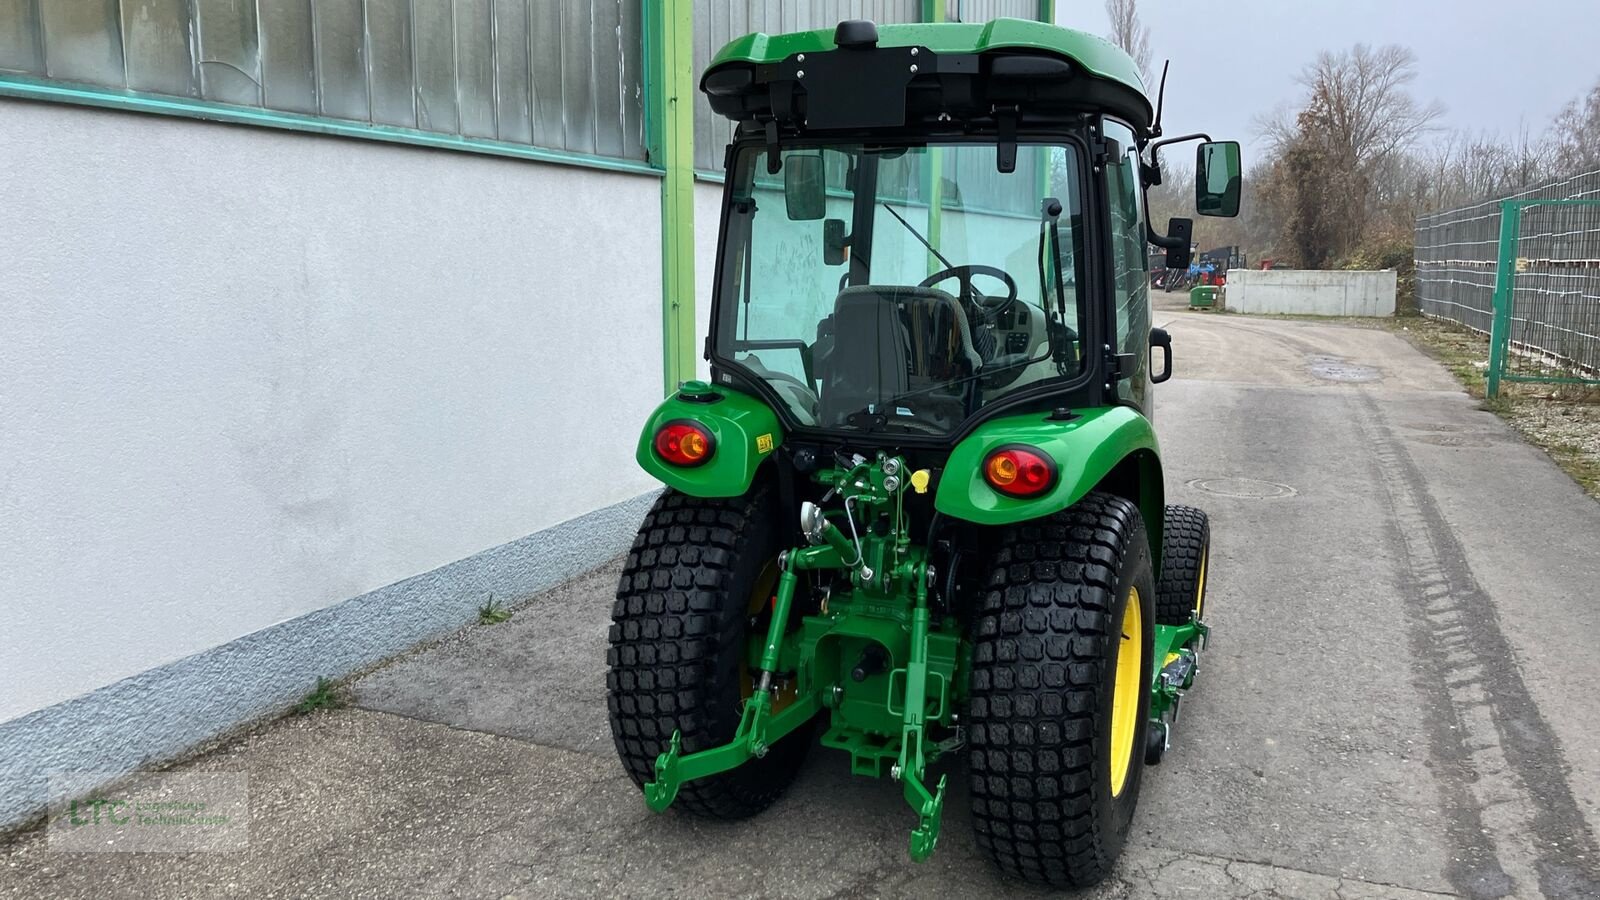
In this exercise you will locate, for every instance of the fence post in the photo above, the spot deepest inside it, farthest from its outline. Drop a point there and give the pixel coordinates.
(1504, 281)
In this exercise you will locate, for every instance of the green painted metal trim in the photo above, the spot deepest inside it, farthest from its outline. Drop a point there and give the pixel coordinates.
(744, 430)
(1098, 56)
(1505, 276)
(24, 88)
(933, 172)
(1085, 450)
(669, 89)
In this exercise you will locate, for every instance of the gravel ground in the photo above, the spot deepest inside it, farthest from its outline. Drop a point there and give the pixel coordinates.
(1562, 420)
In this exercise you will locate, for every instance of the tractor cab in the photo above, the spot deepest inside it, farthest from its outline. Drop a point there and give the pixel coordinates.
(917, 514)
(926, 226)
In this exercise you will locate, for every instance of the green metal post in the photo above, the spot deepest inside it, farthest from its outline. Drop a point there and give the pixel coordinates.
(933, 168)
(669, 88)
(1047, 11)
(1504, 291)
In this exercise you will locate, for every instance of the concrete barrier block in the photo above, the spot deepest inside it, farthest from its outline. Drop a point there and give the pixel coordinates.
(1313, 292)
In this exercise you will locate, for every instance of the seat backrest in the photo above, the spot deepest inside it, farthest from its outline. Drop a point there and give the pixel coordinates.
(891, 340)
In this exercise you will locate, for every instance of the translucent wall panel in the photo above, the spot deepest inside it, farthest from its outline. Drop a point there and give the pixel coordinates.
(475, 51)
(155, 41)
(434, 40)
(288, 60)
(984, 10)
(341, 41)
(561, 74)
(20, 35)
(83, 41)
(390, 70)
(230, 52)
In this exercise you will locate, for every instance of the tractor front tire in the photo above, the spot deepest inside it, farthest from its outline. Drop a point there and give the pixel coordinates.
(1185, 549)
(1060, 692)
(682, 619)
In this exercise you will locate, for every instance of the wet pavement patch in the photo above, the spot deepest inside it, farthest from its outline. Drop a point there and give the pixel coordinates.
(1333, 368)
(1242, 488)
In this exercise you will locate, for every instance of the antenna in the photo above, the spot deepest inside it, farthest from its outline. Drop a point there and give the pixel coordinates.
(1161, 100)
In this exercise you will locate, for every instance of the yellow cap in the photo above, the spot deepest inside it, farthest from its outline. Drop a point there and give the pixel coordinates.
(919, 481)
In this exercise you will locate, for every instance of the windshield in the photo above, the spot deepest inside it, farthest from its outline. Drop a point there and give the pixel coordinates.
(902, 288)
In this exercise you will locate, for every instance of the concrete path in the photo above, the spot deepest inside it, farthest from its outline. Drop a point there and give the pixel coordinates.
(1399, 702)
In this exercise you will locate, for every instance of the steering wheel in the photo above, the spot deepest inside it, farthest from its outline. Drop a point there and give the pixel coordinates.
(991, 308)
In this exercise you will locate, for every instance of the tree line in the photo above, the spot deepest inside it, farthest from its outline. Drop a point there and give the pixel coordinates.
(1352, 163)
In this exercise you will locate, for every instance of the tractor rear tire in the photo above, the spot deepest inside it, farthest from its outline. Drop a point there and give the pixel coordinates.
(1054, 758)
(1185, 548)
(677, 646)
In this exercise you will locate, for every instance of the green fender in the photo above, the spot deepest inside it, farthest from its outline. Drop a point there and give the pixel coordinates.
(744, 431)
(1111, 447)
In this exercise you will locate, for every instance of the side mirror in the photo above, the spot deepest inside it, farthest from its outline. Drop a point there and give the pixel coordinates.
(834, 242)
(1182, 231)
(805, 190)
(1218, 179)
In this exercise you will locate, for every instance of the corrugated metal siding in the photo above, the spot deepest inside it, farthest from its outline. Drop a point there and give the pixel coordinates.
(561, 74)
(716, 22)
(984, 10)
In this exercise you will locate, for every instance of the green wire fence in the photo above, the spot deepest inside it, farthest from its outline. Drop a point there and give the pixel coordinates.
(1526, 271)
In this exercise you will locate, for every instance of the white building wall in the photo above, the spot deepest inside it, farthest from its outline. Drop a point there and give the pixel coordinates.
(1312, 292)
(249, 374)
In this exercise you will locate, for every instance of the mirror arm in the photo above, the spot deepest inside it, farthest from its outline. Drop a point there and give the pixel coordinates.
(1197, 136)
(1161, 240)
(1150, 172)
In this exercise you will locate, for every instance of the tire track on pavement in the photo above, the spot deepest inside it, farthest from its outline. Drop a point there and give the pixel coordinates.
(1509, 808)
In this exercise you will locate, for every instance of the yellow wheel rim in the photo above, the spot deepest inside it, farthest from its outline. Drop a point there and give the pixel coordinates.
(1200, 589)
(1125, 699)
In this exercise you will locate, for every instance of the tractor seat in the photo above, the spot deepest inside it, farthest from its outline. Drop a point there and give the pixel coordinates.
(890, 340)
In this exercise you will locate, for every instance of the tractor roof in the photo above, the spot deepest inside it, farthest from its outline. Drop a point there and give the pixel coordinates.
(1048, 69)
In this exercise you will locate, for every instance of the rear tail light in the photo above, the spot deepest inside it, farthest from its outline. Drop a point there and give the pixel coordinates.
(684, 443)
(1019, 471)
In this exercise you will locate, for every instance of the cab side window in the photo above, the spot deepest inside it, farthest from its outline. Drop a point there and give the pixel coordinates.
(1129, 262)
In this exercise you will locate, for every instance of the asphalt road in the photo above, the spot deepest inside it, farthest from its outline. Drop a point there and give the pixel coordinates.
(1399, 700)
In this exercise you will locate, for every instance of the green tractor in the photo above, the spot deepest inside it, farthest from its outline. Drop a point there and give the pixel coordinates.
(917, 512)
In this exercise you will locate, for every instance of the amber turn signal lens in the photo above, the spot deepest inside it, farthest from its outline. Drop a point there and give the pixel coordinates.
(1018, 471)
(684, 443)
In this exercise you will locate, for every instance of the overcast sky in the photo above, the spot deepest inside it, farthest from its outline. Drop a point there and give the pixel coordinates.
(1495, 66)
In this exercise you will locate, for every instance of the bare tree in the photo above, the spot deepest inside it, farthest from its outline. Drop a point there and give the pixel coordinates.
(1576, 134)
(1129, 33)
(1340, 172)
(1353, 163)
(1359, 100)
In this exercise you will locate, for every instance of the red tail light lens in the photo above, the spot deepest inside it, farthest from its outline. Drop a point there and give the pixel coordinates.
(1018, 471)
(684, 443)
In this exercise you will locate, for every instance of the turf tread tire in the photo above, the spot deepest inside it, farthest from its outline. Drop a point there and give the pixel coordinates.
(677, 636)
(1185, 541)
(1040, 700)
